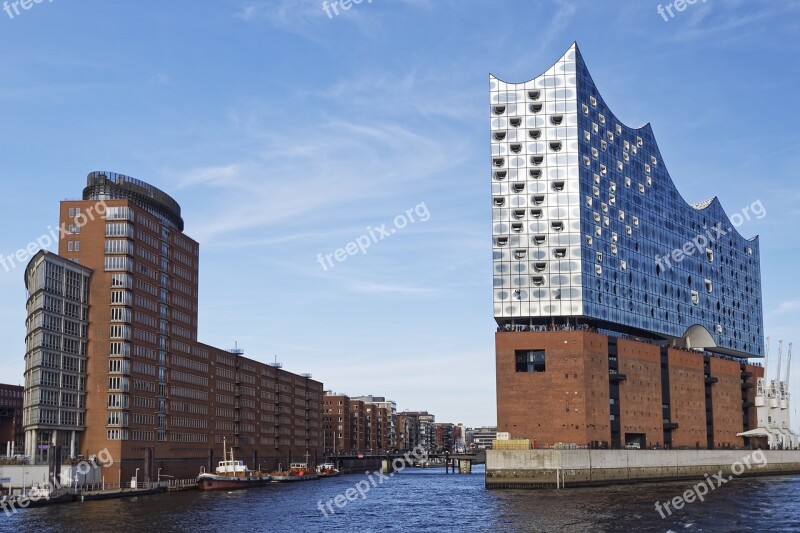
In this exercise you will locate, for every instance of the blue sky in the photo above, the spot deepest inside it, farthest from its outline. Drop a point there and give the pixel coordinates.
(285, 133)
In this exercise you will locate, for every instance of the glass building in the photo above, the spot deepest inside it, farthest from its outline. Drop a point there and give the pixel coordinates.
(590, 231)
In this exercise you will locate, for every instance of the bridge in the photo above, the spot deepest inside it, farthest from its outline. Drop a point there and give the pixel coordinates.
(389, 462)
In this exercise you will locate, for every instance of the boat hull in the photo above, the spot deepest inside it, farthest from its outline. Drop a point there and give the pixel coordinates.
(229, 483)
(291, 479)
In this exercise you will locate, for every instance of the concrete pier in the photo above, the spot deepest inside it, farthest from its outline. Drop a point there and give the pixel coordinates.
(543, 469)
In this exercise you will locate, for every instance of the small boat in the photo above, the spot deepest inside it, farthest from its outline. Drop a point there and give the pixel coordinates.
(328, 470)
(231, 475)
(296, 472)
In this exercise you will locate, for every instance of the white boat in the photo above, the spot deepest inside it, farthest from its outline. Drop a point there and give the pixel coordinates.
(327, 470)
(231, 475)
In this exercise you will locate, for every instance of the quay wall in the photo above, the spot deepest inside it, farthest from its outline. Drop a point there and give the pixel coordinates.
(543, 469)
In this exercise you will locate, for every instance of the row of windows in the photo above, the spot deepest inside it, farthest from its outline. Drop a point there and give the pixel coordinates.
(190, 363)
(119, 366)
(146, 320)
(146, 353)
(139, 435)
(189, 378)
(189, 393)
(149, 256)
(147, 238)
(224, 372)
(185, 303)
(185, 245)
(144, 402)
(118, 246)
(186, 333)
(192, 408)
(191, 423)
(148, 223)
(144, 336)
(113, 263)
(142, 385)
(144, 369)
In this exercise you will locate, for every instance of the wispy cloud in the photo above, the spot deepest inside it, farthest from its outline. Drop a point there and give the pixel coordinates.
(386, 288)
(310, 174)
(728, 21)
(785, 308)
(161, 78)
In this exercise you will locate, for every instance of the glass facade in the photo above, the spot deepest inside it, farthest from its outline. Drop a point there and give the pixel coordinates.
(588, 227)
(55, 356)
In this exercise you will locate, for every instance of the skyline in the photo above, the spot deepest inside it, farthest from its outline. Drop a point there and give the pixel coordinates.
(320, 128)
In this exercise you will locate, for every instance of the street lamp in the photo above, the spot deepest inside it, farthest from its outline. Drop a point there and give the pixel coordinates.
(137, 479)
(159, 475)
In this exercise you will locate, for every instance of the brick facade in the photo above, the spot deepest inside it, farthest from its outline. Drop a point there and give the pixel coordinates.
(589, 389)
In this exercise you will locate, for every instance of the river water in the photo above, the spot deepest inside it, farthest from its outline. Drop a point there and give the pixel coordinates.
(429, 500)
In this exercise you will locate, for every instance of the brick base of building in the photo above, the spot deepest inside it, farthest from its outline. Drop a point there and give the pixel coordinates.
(592, 390)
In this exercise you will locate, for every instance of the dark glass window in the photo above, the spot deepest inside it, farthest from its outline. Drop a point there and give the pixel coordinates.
(530, 361)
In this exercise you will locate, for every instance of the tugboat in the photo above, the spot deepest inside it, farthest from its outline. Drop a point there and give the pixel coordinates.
(231, 475)
(328, 470)
(296, 472)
